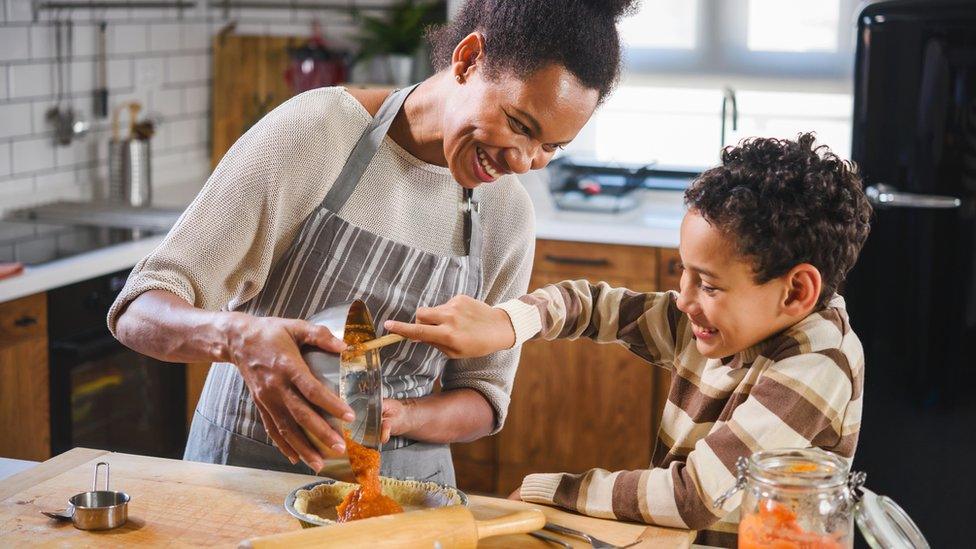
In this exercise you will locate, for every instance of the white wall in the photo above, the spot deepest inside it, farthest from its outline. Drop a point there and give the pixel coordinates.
(153, 57)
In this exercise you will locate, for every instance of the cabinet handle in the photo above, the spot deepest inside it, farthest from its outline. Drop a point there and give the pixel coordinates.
(564, 260)
(673, 266)
(25, 321)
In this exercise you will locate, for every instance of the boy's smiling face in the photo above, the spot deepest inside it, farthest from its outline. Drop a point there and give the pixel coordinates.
(728, 309)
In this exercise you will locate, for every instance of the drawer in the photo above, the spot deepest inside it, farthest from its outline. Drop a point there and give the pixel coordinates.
(573, 260)
(23, 319)
(669, 269)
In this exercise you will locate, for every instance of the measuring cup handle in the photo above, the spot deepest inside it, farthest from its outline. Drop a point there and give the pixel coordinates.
(95, 477)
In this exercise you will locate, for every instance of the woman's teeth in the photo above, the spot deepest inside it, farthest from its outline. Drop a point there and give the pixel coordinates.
(486, 165)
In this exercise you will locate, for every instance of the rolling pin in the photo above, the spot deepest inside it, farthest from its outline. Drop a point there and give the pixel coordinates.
(446, 527)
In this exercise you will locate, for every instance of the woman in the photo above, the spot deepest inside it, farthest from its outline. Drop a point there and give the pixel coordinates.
(401, 199)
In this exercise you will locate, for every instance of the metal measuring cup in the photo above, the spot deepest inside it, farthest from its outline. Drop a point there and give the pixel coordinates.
(96, 509)
(358, 379)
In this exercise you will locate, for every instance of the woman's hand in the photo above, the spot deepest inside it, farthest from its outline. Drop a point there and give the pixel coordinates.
(396, 418)
(266, 351)
(516, 495)
(461, 328)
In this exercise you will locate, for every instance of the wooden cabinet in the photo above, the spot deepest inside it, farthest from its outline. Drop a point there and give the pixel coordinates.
(668, 269)
(575, 404)
(196, 376)
(24, 411)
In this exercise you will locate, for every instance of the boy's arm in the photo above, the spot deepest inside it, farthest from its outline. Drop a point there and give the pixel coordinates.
(798, 402)
(649, 324)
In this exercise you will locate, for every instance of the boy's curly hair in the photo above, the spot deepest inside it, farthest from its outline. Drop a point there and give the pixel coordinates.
(784, 203)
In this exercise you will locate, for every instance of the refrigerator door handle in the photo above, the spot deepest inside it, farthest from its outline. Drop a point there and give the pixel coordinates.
(886, 196)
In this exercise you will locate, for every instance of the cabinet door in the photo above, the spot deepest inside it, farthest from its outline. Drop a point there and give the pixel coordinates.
(560, 260)
(476, 465)
(196, 375)
(669, 269)
(25, 431)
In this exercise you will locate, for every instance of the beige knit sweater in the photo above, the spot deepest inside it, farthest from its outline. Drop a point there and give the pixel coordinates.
(220, 252)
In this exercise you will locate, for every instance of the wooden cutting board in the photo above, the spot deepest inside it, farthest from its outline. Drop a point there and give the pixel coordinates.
(185, 503)
(248, 81)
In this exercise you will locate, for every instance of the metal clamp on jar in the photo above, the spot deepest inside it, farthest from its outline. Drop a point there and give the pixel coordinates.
(810, 498)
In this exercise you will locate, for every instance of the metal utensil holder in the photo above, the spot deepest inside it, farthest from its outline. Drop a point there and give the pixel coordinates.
(130, 171)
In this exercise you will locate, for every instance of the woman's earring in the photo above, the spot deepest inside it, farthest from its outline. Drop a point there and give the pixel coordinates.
(459, 78)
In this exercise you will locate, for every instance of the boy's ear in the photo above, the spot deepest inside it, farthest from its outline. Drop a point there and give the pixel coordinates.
(803, 284)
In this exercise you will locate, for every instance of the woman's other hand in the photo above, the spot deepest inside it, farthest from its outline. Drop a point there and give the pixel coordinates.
(461, 328)
(396, 418)
(516, 495)
(266, 351)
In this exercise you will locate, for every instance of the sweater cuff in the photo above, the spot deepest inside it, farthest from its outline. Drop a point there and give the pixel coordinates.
(540, 487)
(525, 319)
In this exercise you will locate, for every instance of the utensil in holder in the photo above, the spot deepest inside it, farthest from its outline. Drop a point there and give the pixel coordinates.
(129, 163)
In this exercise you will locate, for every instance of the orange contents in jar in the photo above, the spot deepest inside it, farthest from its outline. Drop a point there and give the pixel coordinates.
(775, 526)
(367, 500)
(802, 468)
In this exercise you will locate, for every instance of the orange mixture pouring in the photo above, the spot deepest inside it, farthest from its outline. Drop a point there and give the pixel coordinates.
(367, 500)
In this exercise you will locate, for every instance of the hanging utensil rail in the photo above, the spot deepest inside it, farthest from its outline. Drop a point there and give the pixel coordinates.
(227, 5)
(42, 5)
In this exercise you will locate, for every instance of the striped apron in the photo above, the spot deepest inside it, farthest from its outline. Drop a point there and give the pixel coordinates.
(333, 261)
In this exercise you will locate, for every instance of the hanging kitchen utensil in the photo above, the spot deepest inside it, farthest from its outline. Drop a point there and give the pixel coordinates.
(101, 90)
(67, 126)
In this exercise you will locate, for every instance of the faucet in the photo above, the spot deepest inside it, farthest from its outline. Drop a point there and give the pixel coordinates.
(728, 95)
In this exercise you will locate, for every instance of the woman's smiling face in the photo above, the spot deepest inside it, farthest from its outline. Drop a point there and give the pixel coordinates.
(500, 124)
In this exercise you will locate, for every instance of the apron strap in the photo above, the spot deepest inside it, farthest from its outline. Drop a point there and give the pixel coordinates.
(364, 151)
(472, 224)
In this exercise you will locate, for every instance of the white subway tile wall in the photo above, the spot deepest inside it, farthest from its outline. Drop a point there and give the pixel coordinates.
(160, 57)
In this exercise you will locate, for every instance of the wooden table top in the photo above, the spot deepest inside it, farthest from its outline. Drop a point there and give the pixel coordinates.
(185, 503)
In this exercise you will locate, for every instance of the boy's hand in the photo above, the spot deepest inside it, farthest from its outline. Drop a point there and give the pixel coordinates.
(461, 328)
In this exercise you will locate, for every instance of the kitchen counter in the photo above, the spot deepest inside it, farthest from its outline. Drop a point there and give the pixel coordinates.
(654, 223)
(95, 263)
(187, 503)
(10, 467)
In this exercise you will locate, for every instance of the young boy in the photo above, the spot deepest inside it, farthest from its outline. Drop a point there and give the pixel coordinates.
(758, 342)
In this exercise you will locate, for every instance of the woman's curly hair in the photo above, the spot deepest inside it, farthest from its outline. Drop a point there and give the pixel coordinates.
(522, 36)
(784, 203)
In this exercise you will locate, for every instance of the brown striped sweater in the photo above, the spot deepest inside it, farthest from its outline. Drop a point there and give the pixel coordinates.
(800, 388)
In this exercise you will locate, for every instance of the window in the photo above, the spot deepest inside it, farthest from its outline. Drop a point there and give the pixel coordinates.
(679, 54)
(681, 127)
(813, 26)
(662, 24)
(796, 38)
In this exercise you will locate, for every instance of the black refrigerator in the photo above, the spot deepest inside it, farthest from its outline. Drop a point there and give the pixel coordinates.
(912, 294)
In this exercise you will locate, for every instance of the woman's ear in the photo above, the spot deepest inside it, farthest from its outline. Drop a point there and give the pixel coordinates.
(469, 51)
(803, 290)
